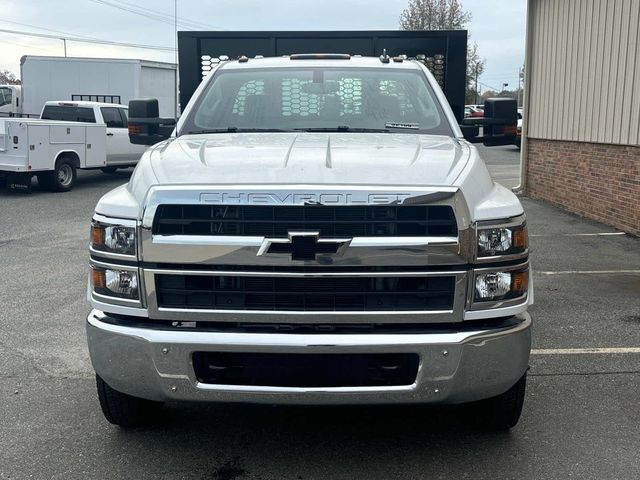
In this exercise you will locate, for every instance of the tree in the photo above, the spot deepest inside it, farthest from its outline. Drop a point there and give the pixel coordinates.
(504, 93)
(489, 94)
(8, 78)
(434, 15)
(475, 68)
(472, 97)
(446, 15)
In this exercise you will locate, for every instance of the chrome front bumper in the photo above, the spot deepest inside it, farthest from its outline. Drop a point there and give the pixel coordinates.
(454, 367)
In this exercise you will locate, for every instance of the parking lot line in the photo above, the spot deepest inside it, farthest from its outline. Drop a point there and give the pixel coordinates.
(584, 351)
(587, 272)
(601, 234)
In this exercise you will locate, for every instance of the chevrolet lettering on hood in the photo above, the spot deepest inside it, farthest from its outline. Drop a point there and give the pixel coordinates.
(266, 198)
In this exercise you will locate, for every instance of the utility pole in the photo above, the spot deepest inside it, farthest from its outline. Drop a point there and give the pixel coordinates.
(477, 93)
(520, 85)
(64, 42)
(175, 55)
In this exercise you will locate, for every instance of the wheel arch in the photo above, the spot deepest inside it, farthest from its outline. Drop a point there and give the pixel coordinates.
(71, 155)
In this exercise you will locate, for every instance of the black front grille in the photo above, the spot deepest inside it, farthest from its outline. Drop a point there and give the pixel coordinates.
(306, 370)
(330, 221)
(305, 293)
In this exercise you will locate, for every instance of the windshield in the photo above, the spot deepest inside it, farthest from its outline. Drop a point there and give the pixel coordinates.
(318, 99)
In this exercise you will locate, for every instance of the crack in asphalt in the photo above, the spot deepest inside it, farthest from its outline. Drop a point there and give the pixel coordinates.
(41, 372)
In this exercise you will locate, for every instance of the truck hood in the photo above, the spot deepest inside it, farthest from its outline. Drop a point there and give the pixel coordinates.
(289, 161)
(310, 158)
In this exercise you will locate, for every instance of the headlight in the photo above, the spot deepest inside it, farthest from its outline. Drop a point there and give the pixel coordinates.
(500, 285)
(113, 238)
(507, 240)
(115, 283)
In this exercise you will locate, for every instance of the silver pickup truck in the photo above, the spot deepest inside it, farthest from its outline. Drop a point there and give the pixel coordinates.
(315, 230)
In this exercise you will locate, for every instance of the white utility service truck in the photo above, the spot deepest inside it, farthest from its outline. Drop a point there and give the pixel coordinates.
(52, 151)
(68, 136)
(120, 152)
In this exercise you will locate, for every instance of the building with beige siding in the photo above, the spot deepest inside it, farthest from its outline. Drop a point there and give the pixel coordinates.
(582, 108)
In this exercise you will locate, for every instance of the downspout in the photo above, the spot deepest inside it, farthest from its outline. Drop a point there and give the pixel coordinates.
(526, 102)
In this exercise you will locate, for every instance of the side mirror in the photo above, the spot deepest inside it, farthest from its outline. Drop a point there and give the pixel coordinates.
(499, 124)
(501, 115)
(145, 125)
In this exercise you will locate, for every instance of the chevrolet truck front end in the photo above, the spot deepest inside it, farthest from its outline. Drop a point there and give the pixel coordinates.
(328, 296)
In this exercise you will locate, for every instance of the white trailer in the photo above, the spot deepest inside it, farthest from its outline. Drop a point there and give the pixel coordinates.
(50, 150)
(108, 80)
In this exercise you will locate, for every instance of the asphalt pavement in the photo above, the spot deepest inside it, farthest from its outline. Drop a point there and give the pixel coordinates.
(503, 163)
(581, 417)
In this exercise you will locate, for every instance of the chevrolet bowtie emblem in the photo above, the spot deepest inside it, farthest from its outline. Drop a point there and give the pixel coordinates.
(303, 245)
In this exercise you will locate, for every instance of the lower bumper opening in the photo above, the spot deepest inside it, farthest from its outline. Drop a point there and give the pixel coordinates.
(306, 370)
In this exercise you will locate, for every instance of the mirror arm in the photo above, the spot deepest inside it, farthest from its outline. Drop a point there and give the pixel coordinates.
(481, 122)
(152, 121)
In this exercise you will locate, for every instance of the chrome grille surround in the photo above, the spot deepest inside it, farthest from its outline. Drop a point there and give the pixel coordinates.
(240, 253)
(241, 250)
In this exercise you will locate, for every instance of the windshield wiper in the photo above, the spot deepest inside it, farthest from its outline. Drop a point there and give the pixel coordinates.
(237, 130)
(339, 128)
(403, 126)
(343, 128)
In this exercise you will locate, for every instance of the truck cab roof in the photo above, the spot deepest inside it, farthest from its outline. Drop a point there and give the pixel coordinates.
(320, 60)
(82, 103)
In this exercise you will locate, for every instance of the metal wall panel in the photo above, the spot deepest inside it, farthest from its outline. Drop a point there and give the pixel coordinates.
(584, 71)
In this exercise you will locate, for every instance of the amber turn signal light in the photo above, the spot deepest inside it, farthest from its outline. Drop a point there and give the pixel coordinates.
(97, 235)
(520, 238)
(98, 279)
(519, 282)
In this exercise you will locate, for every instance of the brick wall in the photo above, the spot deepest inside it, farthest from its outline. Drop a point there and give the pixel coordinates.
(597, 181)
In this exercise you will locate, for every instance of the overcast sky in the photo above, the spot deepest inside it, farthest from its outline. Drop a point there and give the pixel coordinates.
(498, 26)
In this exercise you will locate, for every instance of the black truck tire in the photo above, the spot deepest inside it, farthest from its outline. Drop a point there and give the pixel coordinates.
(61, 179)
(124, 410)
(501, 412)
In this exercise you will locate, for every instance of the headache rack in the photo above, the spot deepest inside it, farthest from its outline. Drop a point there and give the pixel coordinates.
(443, 52)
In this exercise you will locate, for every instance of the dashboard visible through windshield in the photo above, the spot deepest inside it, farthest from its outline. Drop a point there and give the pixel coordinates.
(318, 100)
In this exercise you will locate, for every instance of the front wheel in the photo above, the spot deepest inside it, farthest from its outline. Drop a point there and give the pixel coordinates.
(501, 412)
(124, 410)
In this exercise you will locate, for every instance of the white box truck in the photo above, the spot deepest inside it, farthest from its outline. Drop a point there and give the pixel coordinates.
(10, 100)
(108, 80)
